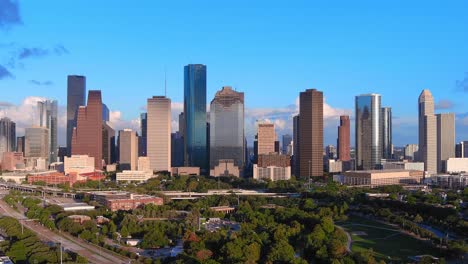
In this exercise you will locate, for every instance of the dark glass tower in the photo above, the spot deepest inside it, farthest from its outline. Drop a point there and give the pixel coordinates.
(143, 138)
(195, 147)
(76, 93)
(386, 119)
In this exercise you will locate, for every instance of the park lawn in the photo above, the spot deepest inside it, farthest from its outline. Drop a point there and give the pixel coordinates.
(385, 240)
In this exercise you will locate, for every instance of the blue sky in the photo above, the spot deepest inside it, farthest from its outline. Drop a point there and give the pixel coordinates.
(271, 50)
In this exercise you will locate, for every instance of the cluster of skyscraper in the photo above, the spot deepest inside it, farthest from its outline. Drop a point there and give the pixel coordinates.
(215, 141)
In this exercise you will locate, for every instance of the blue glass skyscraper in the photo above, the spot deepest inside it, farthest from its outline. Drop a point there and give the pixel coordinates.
(195, 143)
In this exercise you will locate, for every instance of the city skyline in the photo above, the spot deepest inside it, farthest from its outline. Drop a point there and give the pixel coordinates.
(45, 65)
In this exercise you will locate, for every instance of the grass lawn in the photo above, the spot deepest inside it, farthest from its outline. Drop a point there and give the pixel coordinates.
(386, 241)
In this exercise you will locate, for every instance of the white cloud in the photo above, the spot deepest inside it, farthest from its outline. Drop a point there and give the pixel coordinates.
(24, 114)
(117, 122)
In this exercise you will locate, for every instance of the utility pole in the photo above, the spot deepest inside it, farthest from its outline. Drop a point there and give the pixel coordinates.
(61, 255)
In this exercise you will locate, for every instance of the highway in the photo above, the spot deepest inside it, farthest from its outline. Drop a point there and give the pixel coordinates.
(93, 253)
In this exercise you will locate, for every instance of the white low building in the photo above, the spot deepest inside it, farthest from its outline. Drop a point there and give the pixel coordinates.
(79, 164)
(134, 176)
(457, 165)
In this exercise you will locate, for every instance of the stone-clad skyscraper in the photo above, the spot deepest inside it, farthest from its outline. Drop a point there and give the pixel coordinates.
(195, 138)
(445, 139)
(227, 128)
(427, 132)
(368, 132)
(311, 133)
(344, 144)
(159, 133)
(87, 136)
(76, 93)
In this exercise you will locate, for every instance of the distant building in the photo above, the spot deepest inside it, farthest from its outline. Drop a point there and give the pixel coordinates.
(287, 139)
(310, 133)
(47, 117)
(445, 139)
(402, 165)
(108, 143)
(427, 132)
(142, 141)
(272, 166)
(62, 153)
(411, 151)
(7, 135)
(344, 145)
(87, 136)
(368, 131)
(134, 176)
(330, 152)
(386, 126)
(12, 161)
(195, 136)
(225, 167)
(144, 164)
(105, 113)
(193, 171)
(265, 139)
(20, 142)
(376, 178)
(460, 149)
(76, 94)
(159, 133)
(128, 149)
(37, 143)
(177, 150)
(227, 132)
(334, 166)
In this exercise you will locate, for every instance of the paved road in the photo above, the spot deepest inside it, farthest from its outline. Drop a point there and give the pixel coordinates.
(93, 253)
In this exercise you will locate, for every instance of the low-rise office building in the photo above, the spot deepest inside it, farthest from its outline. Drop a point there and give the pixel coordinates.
(274, 167)
(375, 178)
(456, 165)
(125, 201)
(134, 176)
(191, 171)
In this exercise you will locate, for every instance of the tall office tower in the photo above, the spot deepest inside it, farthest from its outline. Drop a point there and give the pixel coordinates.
(311, 133)
(36, 142)
(7, 136)
(159, 133)
(20, 144)
(427, 132)
(411, 151)
(386, 126)
(368, 132)
(76, 94)
(177, 150)
(105, 113)
(296, 146)
(87, 136)
(182, 124)
(286, 142)
(128, 149)
(227, 129)
(144, 134)
(344, 143)
(265, 140)
(195, 139)
(445, 139)
(108, 143)
(47, 111)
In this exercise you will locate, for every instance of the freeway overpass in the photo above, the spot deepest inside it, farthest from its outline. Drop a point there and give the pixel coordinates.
(177, 195)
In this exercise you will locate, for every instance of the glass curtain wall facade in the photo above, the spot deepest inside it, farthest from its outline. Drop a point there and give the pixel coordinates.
(386, 119)
(47, 111)
(195, 139)
(227, 128)
(368, 132)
